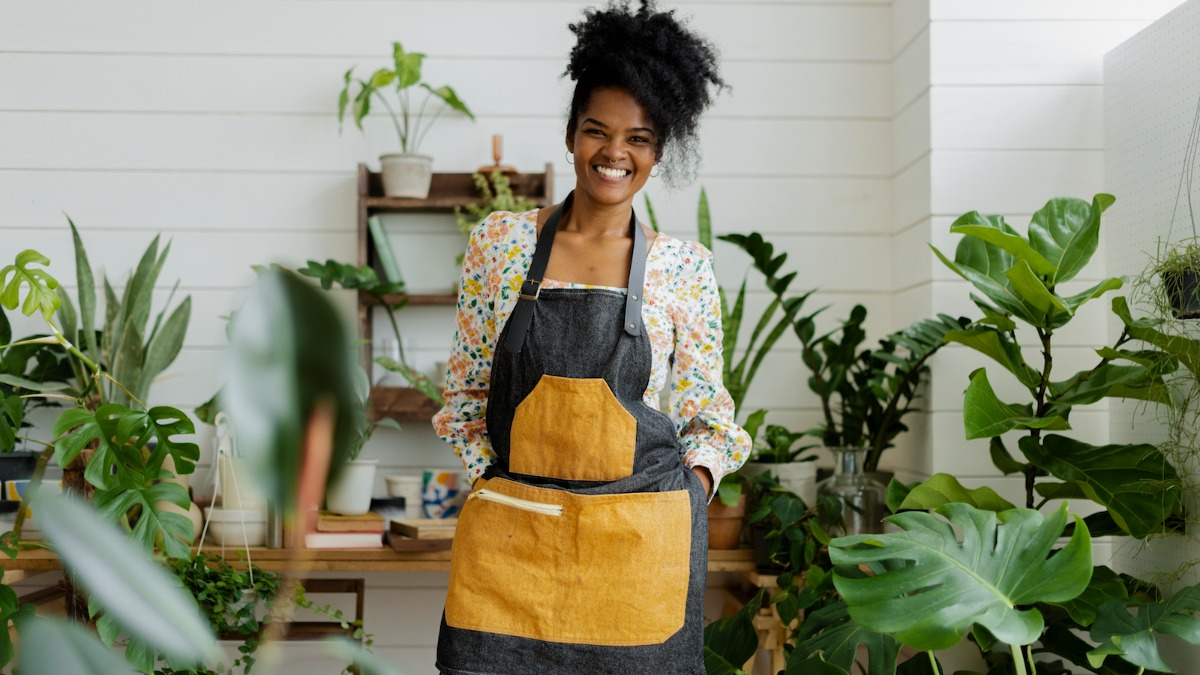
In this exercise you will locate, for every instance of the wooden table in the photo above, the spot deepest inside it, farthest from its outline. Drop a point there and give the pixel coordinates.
(354, 560)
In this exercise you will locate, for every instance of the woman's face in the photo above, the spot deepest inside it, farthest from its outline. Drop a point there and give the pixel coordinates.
(614, 146)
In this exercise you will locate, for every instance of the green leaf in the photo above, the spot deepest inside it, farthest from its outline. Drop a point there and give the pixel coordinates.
(1061, 491)
(932, 587)
(56, 646)
(813, 665)
(408, 66)
(1032, 290)
(344, 98)
(1111, 380)
(86, 293)
(1186, 350)
(381, 78)
(1134, 482)
(704, 222)
(41, 285)
(140, 595)
(1132, 635)
(830, 631)
(290, 352)
(985, 415)
(1066, 231)
(5, 329)
(1006, 239)
(1105, 585)
(1000, 348)
(650, 213)
(730, 642)
(450, 98)
(1074, 302)
(12, 413)
(1001, 458)
(943, 488)
(165, 345)
(984, 266)
(896, 493)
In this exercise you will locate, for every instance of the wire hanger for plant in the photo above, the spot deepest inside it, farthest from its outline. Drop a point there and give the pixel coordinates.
(227, 449)
(1188, 172)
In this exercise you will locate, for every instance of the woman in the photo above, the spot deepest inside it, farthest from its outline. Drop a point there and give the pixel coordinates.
(583, 545)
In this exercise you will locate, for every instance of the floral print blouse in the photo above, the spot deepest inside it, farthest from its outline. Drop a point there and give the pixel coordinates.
(682, 315)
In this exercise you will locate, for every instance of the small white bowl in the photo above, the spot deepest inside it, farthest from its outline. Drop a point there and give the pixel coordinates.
(237, 527)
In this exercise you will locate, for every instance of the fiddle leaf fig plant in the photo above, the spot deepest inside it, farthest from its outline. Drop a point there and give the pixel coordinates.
(1019, 285)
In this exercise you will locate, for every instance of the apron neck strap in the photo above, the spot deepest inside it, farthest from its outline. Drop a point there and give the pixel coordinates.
(531, 288)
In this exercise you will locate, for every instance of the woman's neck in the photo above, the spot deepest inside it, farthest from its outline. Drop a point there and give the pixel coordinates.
(597, 220)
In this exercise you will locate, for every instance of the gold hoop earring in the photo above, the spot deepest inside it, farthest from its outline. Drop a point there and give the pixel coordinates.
(655, 175)
(570, 158)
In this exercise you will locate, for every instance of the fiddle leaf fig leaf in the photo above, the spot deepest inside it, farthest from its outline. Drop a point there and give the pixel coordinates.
(1066, 231)
(1105, 585)
(1000, 348)
(1074, 302)
(1001, 458)
(942, 488)
(1033, 290)
(1015, 244)
(1186, 350)
(1136, 483)
(930, 588)
(831, 632)
(1131, 635)
(42, 295)
(985, 415)
(1116, 381)
(985, 265)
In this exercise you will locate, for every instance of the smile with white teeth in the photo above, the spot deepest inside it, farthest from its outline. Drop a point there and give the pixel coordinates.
(611, 173)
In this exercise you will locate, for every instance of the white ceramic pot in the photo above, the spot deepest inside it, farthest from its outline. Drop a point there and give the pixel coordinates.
(406, 175)
(350, 494)
(237, 527)
(237, 486)
(799, 477)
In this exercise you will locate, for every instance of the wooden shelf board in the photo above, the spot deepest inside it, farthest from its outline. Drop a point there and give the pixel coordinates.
(413, 299)
(403, 404)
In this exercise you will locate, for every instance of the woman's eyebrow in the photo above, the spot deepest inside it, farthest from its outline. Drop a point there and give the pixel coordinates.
(602, 125)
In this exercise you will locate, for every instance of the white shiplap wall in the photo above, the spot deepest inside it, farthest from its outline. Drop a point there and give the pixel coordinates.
(214, 123)
(1011, 114)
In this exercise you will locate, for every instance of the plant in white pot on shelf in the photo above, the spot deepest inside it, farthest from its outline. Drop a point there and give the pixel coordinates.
(407, 173)
(349, 493)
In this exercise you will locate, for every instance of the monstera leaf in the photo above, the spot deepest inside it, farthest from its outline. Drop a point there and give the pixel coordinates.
(1131, 635)
(929, 588)
(942, 488)
(730, 642)
(1129, 480)
(830, 632)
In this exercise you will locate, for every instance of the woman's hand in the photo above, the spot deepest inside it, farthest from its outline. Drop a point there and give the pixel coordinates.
(706, 478)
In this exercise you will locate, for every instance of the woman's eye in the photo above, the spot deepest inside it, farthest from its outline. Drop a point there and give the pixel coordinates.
(639, 139)
(595, 132)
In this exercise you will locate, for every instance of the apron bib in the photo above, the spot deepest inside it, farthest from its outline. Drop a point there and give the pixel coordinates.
(583, 549)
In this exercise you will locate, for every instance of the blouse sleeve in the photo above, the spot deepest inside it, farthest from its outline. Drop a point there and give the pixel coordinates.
(462, 421)
(699, 404)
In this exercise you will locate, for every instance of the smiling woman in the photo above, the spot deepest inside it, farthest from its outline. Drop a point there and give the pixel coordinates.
(583, 547)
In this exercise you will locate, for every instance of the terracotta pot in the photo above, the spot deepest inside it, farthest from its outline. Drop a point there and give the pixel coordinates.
(725, 524)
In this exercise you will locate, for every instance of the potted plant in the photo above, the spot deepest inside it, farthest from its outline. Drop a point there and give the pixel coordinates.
(349, 493)
(778, 453)
(1178, 268)
(495, 192)
(406, 174)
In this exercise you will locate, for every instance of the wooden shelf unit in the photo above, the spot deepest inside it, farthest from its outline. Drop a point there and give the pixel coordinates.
(446, 191)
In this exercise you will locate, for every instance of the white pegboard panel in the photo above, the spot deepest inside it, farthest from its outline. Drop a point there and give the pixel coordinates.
(1151, 85)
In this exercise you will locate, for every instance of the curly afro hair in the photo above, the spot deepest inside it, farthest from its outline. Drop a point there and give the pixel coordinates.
(670, 70)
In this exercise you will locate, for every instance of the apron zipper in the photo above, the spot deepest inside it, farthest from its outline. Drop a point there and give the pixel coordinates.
(516, 502)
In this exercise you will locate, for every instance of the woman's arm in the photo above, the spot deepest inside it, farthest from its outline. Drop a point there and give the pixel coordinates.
(462, 422)
(699, 403)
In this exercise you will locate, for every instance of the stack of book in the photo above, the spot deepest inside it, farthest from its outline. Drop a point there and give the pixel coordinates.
(335, 531)
(422, 534)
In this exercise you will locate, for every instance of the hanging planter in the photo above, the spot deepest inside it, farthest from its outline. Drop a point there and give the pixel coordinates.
(1178, 264)
(1183, 292)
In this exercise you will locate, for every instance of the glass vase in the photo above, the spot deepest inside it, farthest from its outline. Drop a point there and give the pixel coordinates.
(861, 496)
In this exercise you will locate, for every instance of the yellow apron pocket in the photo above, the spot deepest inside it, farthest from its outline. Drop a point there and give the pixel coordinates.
(550, 565)
(626, 579)
(503, 565)
(572, 429)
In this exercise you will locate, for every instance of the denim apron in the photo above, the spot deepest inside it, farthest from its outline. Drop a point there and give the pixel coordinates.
(583, 549)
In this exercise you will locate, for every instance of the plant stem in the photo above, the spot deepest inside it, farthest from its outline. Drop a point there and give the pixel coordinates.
(62, 340)
(35, 481)
(1032, 666)
(1018, 660)
(933, 664)
(120, 386)
(391, 313)
(395, 122)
